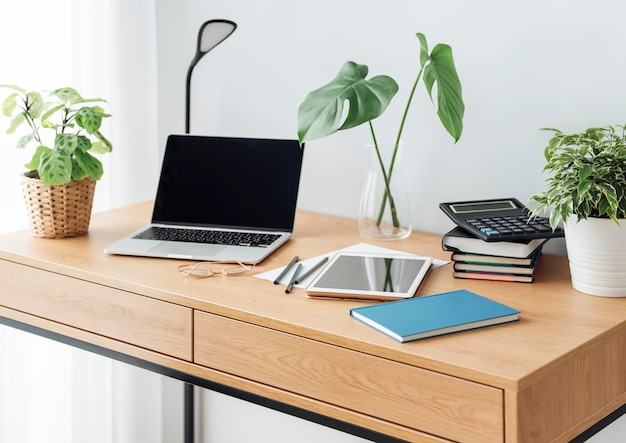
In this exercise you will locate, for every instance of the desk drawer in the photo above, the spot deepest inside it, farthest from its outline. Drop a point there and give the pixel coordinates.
(419, 399)
(120, 315)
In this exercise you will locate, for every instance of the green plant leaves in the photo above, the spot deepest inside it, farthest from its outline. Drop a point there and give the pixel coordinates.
(439, 68)
(84, 144)
(66, 142)
(16, 122)
(9, 104)
(321, 112)
(67, 94)
(55, 167)
(36, 158)
(102, 146)
(26, 139)
(45, 122)
(73, 131)
(90, 118)
(32, 106)
(587, 175)
(89, 164)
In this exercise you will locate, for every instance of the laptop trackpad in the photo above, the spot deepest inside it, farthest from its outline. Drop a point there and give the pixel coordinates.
(190, 250)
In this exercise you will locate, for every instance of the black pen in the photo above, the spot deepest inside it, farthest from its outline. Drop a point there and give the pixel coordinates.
(282, 274)
(293, 278)
(314, 268)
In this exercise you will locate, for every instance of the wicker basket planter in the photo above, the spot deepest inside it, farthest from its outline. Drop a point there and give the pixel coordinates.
(58, 211)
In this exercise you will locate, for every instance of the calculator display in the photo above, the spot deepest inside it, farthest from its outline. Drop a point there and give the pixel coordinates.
(468, 208)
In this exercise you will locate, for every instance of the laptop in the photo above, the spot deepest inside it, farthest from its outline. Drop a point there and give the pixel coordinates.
(220, 199)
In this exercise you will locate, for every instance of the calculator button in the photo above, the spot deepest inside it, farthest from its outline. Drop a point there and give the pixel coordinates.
(490, 232)
(541, 228)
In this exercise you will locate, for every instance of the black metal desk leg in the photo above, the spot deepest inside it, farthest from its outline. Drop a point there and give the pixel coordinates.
(189, 413)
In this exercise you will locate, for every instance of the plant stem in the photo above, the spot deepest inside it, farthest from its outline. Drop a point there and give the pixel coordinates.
(392, 162)
(65, 120)
(403, 121)
(387, 193)
(30, 120)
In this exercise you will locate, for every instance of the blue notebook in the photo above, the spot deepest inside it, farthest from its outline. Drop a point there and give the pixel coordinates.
(431, 315)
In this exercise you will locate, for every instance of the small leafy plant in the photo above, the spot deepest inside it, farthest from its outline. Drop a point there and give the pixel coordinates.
(74, 129)
(587, 175)
(322, 111)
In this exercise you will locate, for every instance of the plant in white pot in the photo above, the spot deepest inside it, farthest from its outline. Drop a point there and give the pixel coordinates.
(322, 114)
(64, 129)
(586, 190)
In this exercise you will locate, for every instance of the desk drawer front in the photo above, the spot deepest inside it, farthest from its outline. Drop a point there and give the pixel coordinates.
(113, 313)
(399, 393)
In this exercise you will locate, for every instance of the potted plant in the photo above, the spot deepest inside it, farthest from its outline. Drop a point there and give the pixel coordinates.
(59, 185)
(586, 191)
(322, 114)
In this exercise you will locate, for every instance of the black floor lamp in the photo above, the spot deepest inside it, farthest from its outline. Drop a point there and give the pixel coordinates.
(211, 34)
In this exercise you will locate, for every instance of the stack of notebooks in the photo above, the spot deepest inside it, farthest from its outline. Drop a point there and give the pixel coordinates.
(474, 258)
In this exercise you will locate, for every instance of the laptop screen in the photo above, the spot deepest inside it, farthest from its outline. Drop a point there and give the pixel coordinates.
(229, 182)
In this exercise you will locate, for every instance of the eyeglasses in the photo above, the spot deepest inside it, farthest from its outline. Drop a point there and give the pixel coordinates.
(204, 270)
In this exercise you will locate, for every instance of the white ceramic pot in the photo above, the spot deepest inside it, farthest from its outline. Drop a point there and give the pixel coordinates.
(596, 249)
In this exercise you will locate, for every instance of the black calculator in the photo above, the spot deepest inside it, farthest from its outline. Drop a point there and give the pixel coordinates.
(503, 219)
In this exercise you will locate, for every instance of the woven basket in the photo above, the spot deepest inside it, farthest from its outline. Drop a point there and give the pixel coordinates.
(58, 211)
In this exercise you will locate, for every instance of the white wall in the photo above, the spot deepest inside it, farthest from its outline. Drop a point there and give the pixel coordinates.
(523, 66)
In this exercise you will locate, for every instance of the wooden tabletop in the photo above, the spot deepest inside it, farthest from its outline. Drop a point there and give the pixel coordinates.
(555, 318)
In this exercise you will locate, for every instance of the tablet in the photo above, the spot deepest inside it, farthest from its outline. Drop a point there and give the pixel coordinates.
(370, 276)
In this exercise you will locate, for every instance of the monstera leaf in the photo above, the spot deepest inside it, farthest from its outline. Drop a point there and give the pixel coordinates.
(439, 67)
(321, 112)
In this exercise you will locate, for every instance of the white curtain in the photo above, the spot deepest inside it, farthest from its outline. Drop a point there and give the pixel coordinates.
(50, 392)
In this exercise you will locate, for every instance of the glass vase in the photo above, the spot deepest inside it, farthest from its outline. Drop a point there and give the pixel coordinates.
(385, 211)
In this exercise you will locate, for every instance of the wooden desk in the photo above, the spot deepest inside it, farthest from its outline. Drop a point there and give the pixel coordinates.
(546, 378)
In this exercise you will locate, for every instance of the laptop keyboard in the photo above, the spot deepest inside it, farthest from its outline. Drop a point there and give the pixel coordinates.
(206, 236)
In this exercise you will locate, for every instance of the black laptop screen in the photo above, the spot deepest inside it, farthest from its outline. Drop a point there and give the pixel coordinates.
(229, 182)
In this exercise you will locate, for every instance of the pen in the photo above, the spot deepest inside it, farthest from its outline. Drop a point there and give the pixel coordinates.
(314, 268)
(282, 274)
(293, 278)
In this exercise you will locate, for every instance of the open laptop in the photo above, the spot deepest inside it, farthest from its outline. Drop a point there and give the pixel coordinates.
(240, 192)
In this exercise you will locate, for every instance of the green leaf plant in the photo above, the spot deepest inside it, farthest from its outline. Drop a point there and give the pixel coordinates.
(74, 133)
(322, 111)
(587, 175)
